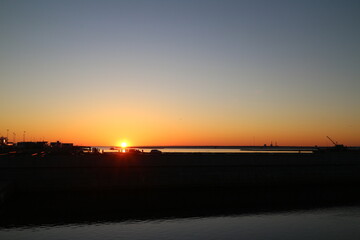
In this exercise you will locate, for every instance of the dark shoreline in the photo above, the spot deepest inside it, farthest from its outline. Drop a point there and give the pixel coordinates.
(39, 209)
(122, 186)
(118, 171)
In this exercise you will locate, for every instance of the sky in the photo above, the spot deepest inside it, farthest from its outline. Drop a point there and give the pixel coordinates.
(184, 72)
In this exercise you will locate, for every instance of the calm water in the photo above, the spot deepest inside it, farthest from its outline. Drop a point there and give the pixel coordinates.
(324, 223)
(202, 150)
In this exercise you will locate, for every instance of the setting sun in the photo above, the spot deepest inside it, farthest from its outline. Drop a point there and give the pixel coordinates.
(123, 144)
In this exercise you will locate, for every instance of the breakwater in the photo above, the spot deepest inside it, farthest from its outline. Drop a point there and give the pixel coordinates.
(5, 192)
(119, 171)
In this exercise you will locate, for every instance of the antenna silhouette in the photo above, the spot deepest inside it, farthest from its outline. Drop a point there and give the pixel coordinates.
(335, 143)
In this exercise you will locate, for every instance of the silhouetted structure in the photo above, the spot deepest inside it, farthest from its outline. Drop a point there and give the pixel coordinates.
(3, 141)
(31, 147)
(5, 145)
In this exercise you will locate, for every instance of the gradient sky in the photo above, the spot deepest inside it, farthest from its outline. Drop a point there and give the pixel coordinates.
(181, 72)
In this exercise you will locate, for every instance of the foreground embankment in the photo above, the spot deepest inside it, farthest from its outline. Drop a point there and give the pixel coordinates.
(125, 171)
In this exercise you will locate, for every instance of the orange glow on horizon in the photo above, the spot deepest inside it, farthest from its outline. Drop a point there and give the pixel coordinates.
(160, 129)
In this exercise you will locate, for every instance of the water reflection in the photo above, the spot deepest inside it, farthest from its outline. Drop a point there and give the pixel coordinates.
(321, 223)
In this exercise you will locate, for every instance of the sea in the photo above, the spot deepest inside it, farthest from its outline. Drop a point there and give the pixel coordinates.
(337, 223)
(210, 149)
(305, 215)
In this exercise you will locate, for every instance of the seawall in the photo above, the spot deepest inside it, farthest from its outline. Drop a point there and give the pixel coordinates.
(119, 172)
(6, 191)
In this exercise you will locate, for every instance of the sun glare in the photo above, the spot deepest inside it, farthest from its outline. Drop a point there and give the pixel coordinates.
(123, 144)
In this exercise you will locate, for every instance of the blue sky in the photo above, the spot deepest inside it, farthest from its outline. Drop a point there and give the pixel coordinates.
(273, 67)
